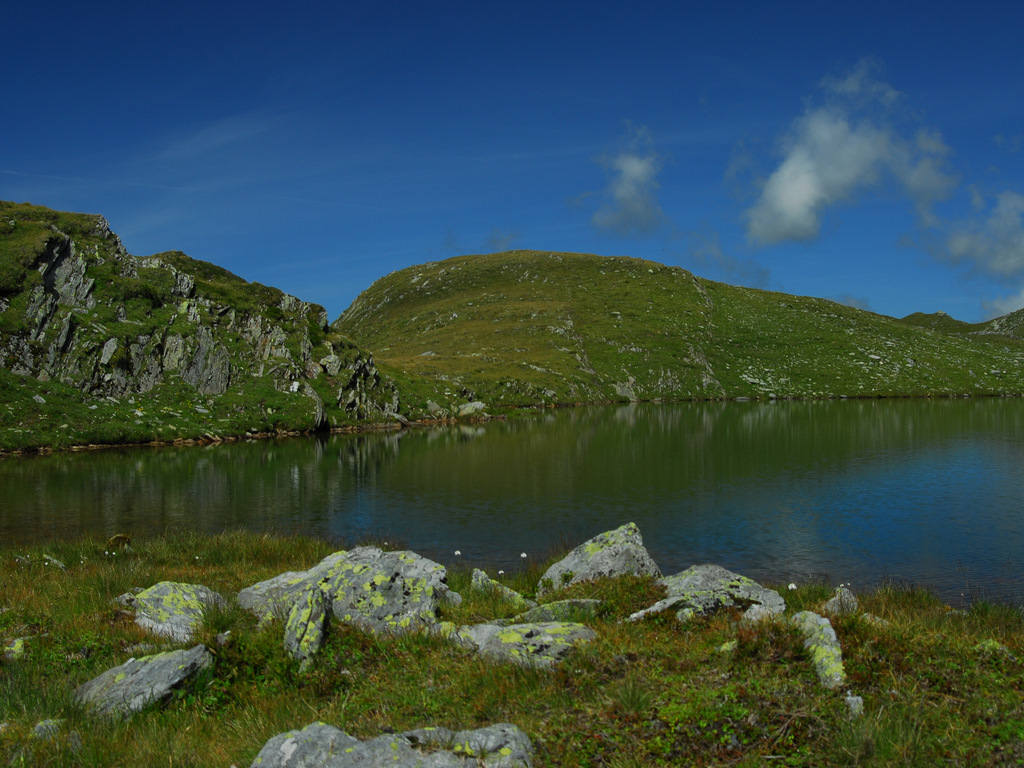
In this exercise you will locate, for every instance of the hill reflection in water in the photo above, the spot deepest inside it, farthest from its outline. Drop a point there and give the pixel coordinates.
(922, 491)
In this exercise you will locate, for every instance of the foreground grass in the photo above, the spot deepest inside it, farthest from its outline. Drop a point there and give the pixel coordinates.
(654, 693)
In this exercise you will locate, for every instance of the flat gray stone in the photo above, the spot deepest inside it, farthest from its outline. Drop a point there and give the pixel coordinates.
(139, 683)
(174, 610)
(541, 644)
(484, 583)
(613, 553)
(704, 589)
(561, 610)
(323, 746)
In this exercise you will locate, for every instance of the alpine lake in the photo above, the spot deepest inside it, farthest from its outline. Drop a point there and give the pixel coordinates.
(923, 492)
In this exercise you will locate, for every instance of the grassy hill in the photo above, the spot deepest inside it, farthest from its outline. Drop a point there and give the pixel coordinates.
(100, 346)
(527, 327)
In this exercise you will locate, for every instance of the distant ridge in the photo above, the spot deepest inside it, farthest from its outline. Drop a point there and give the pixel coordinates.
(527, 326)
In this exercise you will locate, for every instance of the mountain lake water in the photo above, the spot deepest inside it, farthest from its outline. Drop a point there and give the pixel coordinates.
(923, 492)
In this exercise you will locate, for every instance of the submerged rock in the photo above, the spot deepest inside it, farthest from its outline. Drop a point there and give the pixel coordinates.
(613, 553)
(174, 610)
(497, 746)
(138, 683)
(703, 589)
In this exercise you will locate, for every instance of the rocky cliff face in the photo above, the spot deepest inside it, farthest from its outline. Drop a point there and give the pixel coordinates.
(77, 308)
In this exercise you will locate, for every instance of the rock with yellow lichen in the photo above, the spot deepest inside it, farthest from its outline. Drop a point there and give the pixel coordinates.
(823, 646)
(497, 746)
(174, 610)
(613, 553)
(535, 644)
(139, 683)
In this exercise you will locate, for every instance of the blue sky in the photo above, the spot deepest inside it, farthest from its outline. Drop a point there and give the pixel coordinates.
(872, 154)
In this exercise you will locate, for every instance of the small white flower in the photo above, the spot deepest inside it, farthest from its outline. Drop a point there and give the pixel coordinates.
(792, 586)
(522, 554)
(457, 552)
(501, 573)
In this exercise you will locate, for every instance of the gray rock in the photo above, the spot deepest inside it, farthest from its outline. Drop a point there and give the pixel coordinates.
(386, 591)
(139, 683)
(472, 409)
(15, 649)
(304, 631)
(484, 583)
(823, 646)
(842, 602)
(561, 610)
(541, 644)
(54, 562)
(323, 746)
(613, 553)
(275, 597)
(855, 706)
(367, 587)
(703, 589)
(174, 610)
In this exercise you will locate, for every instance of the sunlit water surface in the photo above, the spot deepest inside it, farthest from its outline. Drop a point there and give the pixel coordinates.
(918, 491)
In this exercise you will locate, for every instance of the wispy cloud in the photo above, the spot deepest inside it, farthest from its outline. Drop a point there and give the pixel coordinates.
(631, 205)
(840, 147)
(217, 136)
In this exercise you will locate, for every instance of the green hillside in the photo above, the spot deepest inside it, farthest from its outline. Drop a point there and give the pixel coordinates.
(99, 346)
(527, 327)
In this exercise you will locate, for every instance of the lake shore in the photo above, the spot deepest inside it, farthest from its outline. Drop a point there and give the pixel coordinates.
(938, 685)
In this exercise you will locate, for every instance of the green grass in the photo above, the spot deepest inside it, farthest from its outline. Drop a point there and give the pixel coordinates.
(656, 693)
(525, 327)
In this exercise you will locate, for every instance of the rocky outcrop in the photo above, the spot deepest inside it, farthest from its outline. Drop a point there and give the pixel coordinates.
(90, 315)
(703, 589)
(137, 684)
(174, 610)
(614, 553)
(322, 745)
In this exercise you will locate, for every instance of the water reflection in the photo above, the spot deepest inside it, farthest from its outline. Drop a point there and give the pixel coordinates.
(924, 491)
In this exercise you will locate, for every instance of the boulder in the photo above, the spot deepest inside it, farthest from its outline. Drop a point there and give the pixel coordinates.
(703, 589)
(174, 610)
(842, 602)
(823, 646)
(539, 644)
(484, 583)
(138, 683)
(324, 746)
(561, 610)
(304, 631)
(613, 553)
(275, 597)
(386, 591)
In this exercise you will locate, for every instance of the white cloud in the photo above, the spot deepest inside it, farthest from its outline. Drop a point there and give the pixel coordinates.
(841, 148)
(631, 205)
(995, 245)
(1004, 305)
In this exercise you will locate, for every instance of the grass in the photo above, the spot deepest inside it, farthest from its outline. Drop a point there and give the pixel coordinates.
(647, 694)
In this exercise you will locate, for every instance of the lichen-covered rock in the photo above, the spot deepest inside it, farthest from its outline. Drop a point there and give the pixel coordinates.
(703, 589)
(613, 553)
(823, 646)
(138, 683)
(386, 591)
(484, 583)
(304, 631)
(174, 610)
(842, 602)
(541, 644)
(323, 746)
(15, 649)
(275, 597)
(561, 610)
